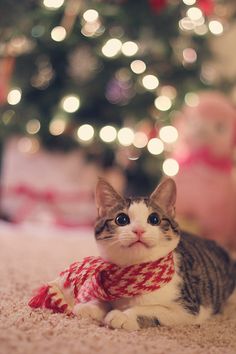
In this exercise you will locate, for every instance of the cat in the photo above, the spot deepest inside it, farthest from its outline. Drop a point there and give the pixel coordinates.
(142, 231)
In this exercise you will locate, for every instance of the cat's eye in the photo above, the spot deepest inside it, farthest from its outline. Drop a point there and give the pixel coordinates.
(122, 219)
(154, 219)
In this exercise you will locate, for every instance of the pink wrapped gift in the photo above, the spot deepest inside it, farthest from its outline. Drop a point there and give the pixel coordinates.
(46, 187)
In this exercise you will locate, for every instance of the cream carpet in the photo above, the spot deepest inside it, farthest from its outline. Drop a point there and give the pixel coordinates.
(29, 256)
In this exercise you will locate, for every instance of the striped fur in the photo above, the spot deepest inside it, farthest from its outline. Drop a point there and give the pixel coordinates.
(205, 274)
(209, 275)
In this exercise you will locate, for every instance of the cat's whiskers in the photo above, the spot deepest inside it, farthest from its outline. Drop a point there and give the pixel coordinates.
(113, 243)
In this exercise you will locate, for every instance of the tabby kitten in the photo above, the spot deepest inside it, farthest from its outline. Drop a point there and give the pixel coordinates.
(137, 230)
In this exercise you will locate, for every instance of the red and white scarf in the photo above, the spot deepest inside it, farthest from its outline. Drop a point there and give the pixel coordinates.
(94, 278)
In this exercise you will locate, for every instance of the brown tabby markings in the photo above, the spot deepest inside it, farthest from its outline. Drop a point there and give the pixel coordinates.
(107, 227)
(145, 321)
(208, 275)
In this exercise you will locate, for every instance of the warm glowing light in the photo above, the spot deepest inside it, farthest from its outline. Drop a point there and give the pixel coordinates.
(90, 15)
(216, 27)
(24, 144)
(14, 96)
(138, 66)
(168, 134)
(108, 134)
(58, 33)
(28, 145)
(186, 24)
(191, 99)
(71, 103)
(163, 103)
(33, 126)
(125, 136)
(57, 126)
(199, 22)
(155, 146)
(169, 91)
(112, 47)
(140, 140)
(170, 167)
(201, 30)
(85, 132)
(92, 28)
(129, 48)
(189, 55)
(194, 13)
(189, 2)
(150, 82)
(53, 4)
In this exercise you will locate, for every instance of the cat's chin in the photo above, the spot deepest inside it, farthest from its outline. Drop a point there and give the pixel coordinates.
(138, 253)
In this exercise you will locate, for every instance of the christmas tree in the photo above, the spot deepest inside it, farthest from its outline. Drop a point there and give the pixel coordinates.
(108, 76)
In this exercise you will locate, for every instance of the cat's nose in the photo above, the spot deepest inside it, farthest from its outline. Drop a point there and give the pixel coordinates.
(139, 231)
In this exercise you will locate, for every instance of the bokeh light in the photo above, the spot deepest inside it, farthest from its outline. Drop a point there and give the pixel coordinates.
(108, 134)
(168, 134)
(14, 96)
(90, 15)
(129, 48)
(169, 91)
(150, 82)
(216, 27)
(191, 99)
(194, 13)
(170, 167)
(186, 24)
(138, 66)
(91, 29)
(163, 103)
(201, 30)
(189, 2)
(28, 145)
(155, 146)
(125, 136)
(85, 132)
(71, 103)
(140, 140)
(53, 4)
(112, 47)
(189, 55)
(58, 33)
(57, 126)
(33, 126)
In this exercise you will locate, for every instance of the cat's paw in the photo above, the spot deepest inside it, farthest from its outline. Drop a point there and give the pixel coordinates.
(90, 310)
(125, 320)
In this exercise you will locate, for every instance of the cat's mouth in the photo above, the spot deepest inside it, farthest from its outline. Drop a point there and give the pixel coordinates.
(138, 243)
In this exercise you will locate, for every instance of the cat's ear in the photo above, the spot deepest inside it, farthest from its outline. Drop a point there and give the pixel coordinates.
(165, 196)
(106, 197)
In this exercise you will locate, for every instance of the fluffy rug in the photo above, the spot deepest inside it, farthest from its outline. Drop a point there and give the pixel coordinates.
(29, 257)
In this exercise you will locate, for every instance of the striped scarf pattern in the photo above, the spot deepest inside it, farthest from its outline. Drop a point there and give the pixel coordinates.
(93, 278)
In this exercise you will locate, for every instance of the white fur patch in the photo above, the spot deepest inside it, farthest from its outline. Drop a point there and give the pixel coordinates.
(118, 249)
(161, 303)
(204, 314)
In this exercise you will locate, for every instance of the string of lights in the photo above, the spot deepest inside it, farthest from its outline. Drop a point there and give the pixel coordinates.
(128, 81)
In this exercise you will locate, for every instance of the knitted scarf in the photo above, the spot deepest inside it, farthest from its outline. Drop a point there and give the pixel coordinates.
(94, 278)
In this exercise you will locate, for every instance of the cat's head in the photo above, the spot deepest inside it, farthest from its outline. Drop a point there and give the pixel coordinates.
(136, 230)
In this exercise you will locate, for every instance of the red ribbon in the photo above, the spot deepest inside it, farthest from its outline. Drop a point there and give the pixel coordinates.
(203, 155)
(50, 197)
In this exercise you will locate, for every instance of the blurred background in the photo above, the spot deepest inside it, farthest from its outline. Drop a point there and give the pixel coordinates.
(128, 90)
